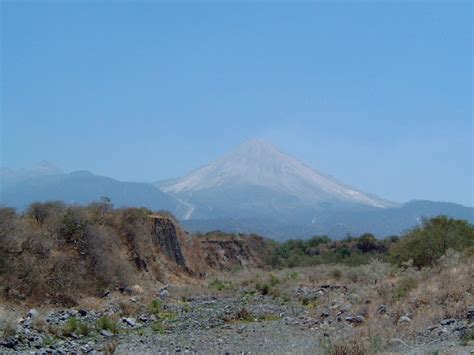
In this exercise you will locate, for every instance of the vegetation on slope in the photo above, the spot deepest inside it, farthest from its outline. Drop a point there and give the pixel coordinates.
(56, 251)
(421, 246)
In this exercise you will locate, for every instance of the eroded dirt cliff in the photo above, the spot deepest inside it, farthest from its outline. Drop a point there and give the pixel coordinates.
(65, 253)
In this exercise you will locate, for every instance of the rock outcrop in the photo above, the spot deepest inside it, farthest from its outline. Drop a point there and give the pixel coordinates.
(165, 234)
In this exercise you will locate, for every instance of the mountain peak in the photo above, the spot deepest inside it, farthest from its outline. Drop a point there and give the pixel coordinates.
(256, 144)
(46, 168)
(254, 150)
(256, 163)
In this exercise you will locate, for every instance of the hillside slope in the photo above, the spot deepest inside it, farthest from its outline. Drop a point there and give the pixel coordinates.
(83, 187)
(71, 252)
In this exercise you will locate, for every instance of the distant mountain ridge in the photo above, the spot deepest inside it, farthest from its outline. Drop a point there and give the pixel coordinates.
(82, 187)
(44, 168)
(255, 188)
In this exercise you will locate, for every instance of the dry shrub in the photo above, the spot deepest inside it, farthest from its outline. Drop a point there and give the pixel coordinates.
(128, 308)
(61, 254)
(7, 327)
(109, 347)
(39, 324)
(353, 347)
(336, 274)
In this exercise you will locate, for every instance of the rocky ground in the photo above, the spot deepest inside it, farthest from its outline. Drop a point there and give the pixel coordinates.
(326, 309)
(241, 321)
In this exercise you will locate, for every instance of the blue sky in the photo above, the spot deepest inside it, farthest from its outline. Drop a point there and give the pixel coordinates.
(377, 94)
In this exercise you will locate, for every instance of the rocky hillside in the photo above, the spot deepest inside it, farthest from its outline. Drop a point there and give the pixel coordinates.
(59, 254)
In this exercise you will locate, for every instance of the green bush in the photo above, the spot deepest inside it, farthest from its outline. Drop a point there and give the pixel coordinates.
(70, 326)
(74, 226)
(158, 327)
(83, 329)
(293, 275)
(404, 287)
(220, 285)
(156, 307)
(263, 289)
(106, 323)
(426, 244)
(274, 280)
(367, 243)
(321, 250)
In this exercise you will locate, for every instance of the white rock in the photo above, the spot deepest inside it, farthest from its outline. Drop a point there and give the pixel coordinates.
(404, 320)
(32, 313)
(130, 321)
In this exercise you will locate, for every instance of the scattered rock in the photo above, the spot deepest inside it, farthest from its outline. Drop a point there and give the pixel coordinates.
(404, 320)
(355, 319)
(106, 333)
(163, 292)
(10, 343)
(470, 314)
(202, 322)
(125, 290)
(82, 312)
(32, 313)
(447, 321)
(131, 322)
(382, 309)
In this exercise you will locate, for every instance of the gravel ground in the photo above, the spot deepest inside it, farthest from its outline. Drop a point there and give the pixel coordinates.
(240, 323)
(263, 337)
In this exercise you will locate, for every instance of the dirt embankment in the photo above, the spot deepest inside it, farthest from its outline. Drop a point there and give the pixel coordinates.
(234, 253)
(60, 254)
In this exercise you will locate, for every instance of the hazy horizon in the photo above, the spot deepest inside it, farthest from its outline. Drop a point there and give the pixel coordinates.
(377, 95)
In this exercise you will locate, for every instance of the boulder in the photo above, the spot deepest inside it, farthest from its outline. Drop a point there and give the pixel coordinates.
(470, 314)
(131, 322)
(448, 321)
(106, 333)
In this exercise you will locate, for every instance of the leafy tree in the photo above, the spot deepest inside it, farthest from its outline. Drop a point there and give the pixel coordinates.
(426, 244)
(367, 243)
(318, 240)
(74, 226)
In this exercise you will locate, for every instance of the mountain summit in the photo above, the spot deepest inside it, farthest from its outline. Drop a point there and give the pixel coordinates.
(257, 169)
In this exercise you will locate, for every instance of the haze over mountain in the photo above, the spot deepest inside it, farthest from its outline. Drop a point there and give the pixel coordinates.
(44, 168)
(259, 176)
(254, 188)
(18, 189)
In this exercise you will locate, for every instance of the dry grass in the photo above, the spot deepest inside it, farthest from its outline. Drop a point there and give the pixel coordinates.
(7, 327)
(427, 296)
